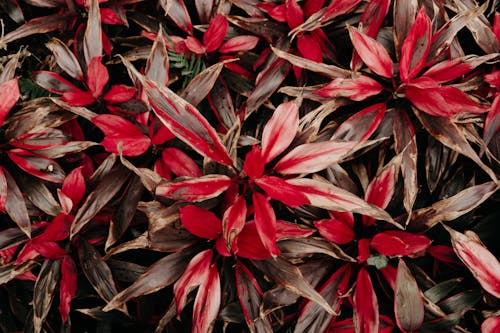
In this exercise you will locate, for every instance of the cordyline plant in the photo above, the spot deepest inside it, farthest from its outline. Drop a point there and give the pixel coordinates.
(249, 166)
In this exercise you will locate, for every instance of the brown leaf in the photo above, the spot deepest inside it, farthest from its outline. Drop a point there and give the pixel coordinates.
(39, 195)
(289, 276)
(65, 58)
(9, 271)
(15, 205)
(107, 188)
(92, 40)
(9, 69)
(199, 87)
(43, 293)
(222, 103)
(38, 25)
(311, 245)
(161, 274)
(451, 208)
(97, 272)
(404, 15)
(408, 302)
(157, 64)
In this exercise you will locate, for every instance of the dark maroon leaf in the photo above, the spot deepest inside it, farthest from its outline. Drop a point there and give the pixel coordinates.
(408, 302)
(43, 293)
(15, 205)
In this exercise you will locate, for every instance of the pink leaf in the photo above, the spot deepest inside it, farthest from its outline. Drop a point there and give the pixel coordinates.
(265, 221)
(254, 163)
(9, 94)
(239, 44)
(366, 316)
(37, 165)
(180, 163)
(195, 274)
(415, 47)
(399, 243)
(496, 25)
(479, 260)
(119, 93)
(309, 47)
(380, 190)
(294, 14)
(118, 129)
(233, 221)
(491, 324)
(280, 130)
(335, 231)
(216, 32)
(207, 302)
(356, 89)
(74, 186)
(278, 189)
(373, 54)
(97, 76)
(67, 286)
(200, 222)
(194, 45)
(313, 157)
(196, 189)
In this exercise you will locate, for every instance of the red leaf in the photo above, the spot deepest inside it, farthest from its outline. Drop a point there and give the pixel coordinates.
(415, 47)
(380, 190)
(492, 122)
(74, 186)
(408, 301)
(37, 165)
(207, 302)
(239, 44)
(312, 6)
(357, 89)
(119, 93)
(178, 12)
(337, 8)
(194, 45)
(180, 163)
(399, 243)
(366, 317)
(363, 250)
(286, 230)
(361, 125)
(496, 25)
(3, 190)
(335, 231)
(249, 244)
(97, 76)
(313, 157)
(443, 253)
(216, 32)
(294, 14)
(278, 189)
(196, 189)
(58, 229)
(233, 222)
(9, 94)
(373, 54)
(50, 250)
(254, 163)
(78, 97)
(196, 273)
(265, 222)
(491, 324)
(280, 130)
(110, 16)
(67, 286)
(479, 260)
(200, 222)
(118, 129)
(309, 47)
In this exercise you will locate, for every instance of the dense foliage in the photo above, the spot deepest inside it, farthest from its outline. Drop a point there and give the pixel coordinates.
(249, 166)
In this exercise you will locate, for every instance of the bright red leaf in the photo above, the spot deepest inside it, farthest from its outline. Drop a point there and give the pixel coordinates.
(196, 189)
(9, 94)
(216, 32)
(200, 222)
(67, 286)
(265, 221)
(366, 316)
(399, 243)
(373, 54)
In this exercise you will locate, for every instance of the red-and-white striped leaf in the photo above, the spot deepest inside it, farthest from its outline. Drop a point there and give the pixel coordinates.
(239, 44)
(180, 163)
(207, 302)
(233, 221)
(399, 243)
(216, 32)
(380, 190)
(366, 317)
(200, 222)
(178, 13)
(74, 186)
(195, 189)
(373, 54)
(9, 94)
(285, 230)
(37, 165)
(479, 260)
(362, 124)
(335, 230)
(357, 89)
(408, 301)
(53, 82)
(313, 157)
(119, 93)
(265, 221)
(118, 129)
(67, 286)
(415, 47)
(196, 273)
(278, 189)
(280, 130)
(65, 58)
